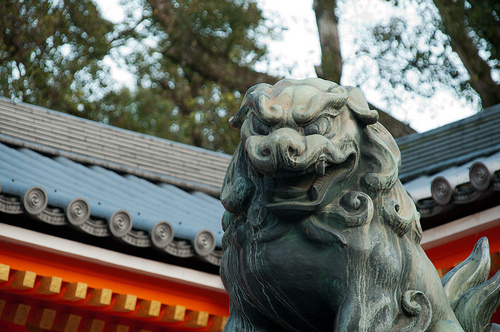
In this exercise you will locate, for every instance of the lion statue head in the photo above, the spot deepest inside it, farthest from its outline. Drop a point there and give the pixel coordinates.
(320, 234)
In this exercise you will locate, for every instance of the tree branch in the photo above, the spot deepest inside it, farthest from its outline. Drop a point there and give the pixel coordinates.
(452, 15)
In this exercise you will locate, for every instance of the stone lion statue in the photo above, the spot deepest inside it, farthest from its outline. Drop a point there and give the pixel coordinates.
(320, 234)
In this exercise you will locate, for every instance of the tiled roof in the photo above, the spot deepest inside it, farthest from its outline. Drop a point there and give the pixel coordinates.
(453, 165)
(120, 150)
(450, 145)
(144, 191)
(457, 185)
(101, 202)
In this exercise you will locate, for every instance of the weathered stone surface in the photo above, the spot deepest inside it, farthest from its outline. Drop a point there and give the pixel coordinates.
(320, 235)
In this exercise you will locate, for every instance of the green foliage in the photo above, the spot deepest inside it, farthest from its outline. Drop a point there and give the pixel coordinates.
(192, 60)
(450, 46)
(51, 52)
(483, 18)
(150, 111)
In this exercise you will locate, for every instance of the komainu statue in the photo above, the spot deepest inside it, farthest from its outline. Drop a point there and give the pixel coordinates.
(320, 234)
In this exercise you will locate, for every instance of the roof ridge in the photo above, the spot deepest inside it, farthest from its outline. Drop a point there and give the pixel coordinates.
(119, 149)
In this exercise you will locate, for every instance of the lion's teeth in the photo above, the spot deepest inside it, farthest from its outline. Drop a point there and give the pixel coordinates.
(285, 173)
(319, 182)
(314, 193)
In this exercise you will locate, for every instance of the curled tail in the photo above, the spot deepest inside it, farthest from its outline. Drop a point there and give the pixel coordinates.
(473, 297)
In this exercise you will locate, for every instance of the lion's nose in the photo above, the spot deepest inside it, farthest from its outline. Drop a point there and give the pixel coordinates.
(285, 144)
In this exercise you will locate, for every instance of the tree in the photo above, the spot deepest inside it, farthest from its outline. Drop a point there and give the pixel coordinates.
(454, 46)
(332, 63)
(328, 33)
(193, 61)
(51, 52)
(472, 27)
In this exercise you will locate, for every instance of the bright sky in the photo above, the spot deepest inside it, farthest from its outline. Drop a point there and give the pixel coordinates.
(295, 55)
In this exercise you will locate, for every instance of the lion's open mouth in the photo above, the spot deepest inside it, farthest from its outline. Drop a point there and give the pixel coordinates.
(304, 190)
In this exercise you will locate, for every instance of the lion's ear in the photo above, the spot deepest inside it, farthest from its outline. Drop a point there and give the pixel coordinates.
(357, 103)
(384, 156)
(237, 120)
(237, 188)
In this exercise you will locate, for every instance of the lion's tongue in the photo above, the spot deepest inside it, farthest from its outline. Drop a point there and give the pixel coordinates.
(294, 187)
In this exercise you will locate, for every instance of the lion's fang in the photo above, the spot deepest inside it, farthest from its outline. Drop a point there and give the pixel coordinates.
(314, 193)
(320, 167)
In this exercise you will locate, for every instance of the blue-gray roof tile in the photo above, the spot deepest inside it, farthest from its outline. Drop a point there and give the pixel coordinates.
(450, 145)
(130, 206)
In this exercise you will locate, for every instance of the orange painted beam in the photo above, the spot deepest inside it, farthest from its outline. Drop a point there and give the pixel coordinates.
(450, 254)
(74, 271)
(37, 314)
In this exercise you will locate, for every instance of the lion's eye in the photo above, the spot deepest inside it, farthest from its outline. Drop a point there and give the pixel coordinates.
(321, 126)
(259, 127)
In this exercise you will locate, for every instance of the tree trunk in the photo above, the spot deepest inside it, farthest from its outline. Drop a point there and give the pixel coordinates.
(453, 19)
(331, 57)
(331, 60)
